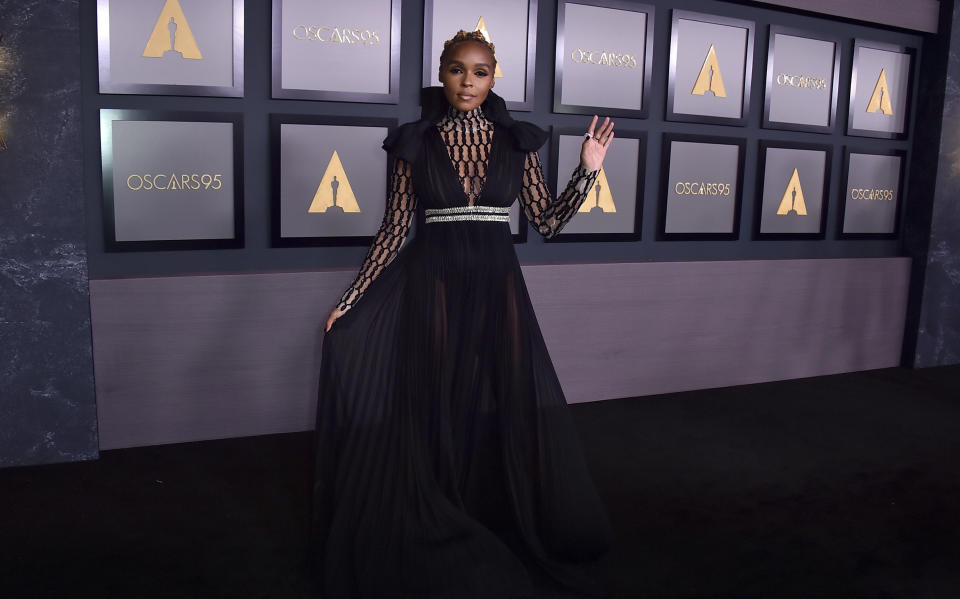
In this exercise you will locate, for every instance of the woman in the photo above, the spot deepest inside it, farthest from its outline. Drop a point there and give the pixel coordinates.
(447, 464)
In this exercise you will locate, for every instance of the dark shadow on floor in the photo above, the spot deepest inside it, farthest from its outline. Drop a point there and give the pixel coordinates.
(842, 486)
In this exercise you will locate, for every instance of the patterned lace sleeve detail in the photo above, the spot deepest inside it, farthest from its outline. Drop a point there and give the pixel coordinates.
(547, 215)
(401, 203)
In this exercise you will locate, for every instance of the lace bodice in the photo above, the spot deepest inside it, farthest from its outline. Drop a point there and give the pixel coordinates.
(468, 137)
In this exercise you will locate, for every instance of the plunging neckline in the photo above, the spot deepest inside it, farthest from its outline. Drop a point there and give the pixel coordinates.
(455, 171)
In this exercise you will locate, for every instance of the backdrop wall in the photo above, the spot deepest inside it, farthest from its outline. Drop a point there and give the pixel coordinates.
(46, 399)
(233, 351)
(256, 105)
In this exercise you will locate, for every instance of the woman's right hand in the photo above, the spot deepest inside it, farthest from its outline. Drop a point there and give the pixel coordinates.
(334, 315)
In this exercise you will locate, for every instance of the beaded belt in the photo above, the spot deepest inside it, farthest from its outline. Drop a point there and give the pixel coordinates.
(488, 213)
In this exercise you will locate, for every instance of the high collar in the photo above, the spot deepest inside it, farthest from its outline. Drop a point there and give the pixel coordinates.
(436, 107)
(471, 120)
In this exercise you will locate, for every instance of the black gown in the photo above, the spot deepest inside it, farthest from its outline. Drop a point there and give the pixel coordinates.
(447, 463)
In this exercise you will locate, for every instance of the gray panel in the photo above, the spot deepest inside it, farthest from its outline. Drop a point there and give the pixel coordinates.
(896, 68)
(306, 157)
(336, 46)
(802, 86)
(694, 39)
(594, 35)
(506, 22)
(668, 327)
(152, 200)
(920, 15)
(702, 188)
(132, 23)
(872, 193)
(208, 357)
(806, 196)
(620, 168)
(205, 357)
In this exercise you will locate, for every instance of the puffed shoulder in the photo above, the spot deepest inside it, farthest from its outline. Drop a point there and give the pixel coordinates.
(406, 141)
(528, 137)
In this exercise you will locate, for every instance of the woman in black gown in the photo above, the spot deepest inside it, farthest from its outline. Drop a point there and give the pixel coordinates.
(447, 464)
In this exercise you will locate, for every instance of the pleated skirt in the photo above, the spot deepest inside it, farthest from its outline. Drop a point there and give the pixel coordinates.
(447, 464)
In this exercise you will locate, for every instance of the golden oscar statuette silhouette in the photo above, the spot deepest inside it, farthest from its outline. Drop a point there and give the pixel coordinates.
(602, 196)
(710, 77)
(482, 28)
(334, 193)
(880, 100)
(792, 202)
(172, 36)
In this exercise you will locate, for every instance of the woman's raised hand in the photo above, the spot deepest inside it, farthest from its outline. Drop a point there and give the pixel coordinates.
(596, 143)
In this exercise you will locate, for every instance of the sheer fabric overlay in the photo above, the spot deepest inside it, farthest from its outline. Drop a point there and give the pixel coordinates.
(468, 137)
(447, 464)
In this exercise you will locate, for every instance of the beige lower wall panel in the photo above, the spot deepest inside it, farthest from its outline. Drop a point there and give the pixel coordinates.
(206, 357)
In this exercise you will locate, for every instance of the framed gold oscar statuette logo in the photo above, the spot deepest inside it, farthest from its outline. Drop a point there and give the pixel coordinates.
(604, 58)
(881, 89)
(711, 69)
(336, 51)
(170, 47)
(802, 86)
(701, 187)
(171, 180)
(873, 190)
(613, 207)
(793, 185)
(330, 179)
(511, 25)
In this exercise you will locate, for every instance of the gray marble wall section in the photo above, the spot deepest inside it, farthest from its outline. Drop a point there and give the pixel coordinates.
(204, 357)
(47, 408)
(938, 334)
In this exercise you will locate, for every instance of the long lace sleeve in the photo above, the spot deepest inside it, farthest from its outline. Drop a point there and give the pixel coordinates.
(397, 216)
(547, 215)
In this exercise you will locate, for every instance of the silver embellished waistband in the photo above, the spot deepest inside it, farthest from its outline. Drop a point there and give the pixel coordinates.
(462, 213)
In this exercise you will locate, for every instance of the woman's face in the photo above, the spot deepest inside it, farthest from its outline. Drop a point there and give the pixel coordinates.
(467, 75)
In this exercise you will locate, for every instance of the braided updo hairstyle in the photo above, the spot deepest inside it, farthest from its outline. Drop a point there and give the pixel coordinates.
(465, 36)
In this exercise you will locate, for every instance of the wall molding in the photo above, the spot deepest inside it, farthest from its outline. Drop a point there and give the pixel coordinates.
(206, 357)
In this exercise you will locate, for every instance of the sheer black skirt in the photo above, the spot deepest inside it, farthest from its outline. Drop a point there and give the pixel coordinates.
(447, 462)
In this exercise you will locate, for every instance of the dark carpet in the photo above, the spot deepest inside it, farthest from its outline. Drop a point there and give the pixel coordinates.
(841, 486)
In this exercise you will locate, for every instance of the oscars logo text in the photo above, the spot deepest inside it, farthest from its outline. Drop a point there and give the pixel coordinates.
(337, 35)
(175, 182)
(701, 188)
(872, 194)
(604, 58)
